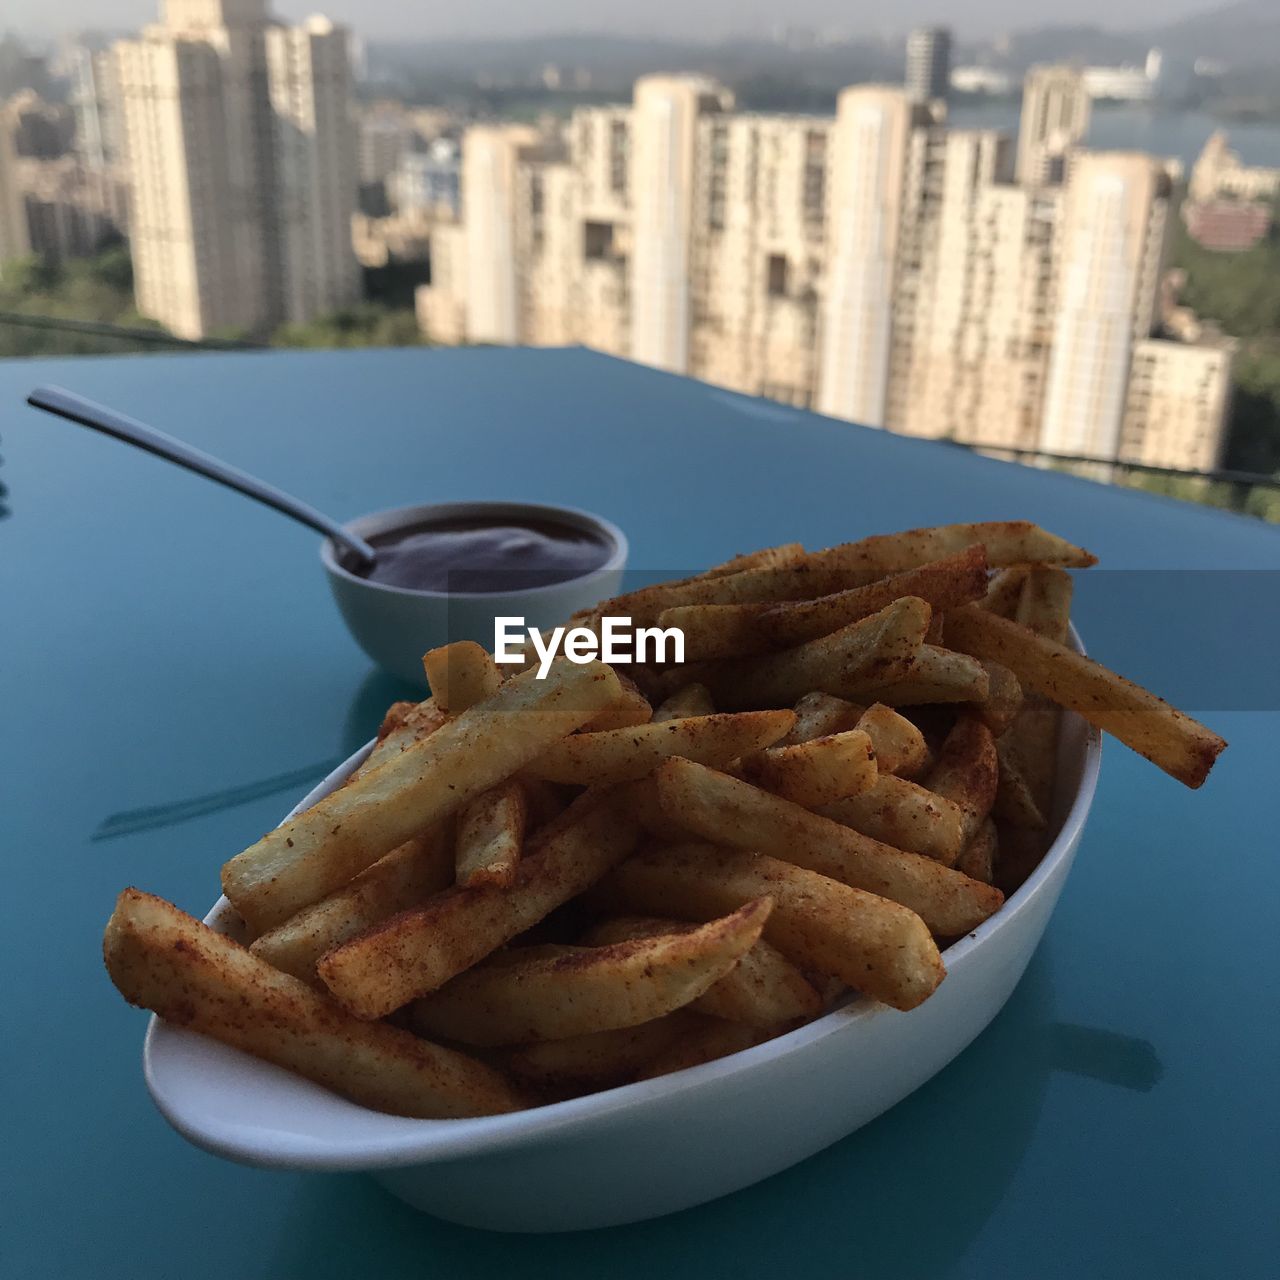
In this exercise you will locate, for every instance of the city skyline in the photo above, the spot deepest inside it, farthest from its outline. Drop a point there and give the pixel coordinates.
(710, 20)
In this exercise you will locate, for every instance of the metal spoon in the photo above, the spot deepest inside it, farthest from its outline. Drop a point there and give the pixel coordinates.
(66, 404)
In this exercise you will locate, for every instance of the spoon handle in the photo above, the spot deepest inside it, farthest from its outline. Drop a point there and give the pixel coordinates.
(66, 404)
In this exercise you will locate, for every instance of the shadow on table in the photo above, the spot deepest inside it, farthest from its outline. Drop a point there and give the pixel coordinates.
(375, 694)
(902, 1198)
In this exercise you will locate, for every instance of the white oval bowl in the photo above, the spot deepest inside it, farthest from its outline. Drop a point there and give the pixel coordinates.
(643, 1149)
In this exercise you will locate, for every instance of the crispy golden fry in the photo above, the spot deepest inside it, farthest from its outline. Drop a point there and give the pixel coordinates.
(1181, 746)
(1000, 707)
(631, 708)
(865, 654)
(603, 1058)
(399, 880)
(315, 853)
(820, 771)
(734, 813)
(1015, 802)
(906, 816)
(460, 675)
(621, 755)
(967, 771)
(764, 989)
(1005, 590)
(491, 832)
(768, 584)
(1028, 750)
(739, 630)
(779, 557)
(404, 724)
(718, 630)
(936, 675)
(899, 746)
(708, 1042)
(1045, 603)
(1007, 542)
(944, 584)
(691, 700)
(168, 962)
(868, 942)
(978, 860)
(418, 951)
(819, 715)
(554, 993)
(935, 632)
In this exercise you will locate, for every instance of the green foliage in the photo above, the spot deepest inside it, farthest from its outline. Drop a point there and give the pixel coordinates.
(1238, 290)
(1241, 293)
(364, 325)
(96, 289)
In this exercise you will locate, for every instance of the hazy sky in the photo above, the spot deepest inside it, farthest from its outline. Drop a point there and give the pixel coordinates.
(697, 18)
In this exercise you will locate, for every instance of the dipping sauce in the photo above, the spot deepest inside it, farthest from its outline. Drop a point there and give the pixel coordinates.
(477, 555)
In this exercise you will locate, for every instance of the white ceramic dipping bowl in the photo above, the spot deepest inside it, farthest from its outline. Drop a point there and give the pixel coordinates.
(643, 1149)
(395, 626)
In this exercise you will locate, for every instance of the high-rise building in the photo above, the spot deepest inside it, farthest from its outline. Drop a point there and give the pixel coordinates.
(95, 96)
(220, 138)
(928, 63)
(868, 167)
(15, 239)
(664, 131)
(1112, 242)
(1178, 399)
(1055, 117)
(313, 143)
(877, 266)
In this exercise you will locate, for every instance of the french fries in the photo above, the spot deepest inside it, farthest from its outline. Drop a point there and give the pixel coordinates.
(816, 772)
(490, 835)
(734, 813)
(933, 675)
(862, 655)
(418, 951)
(819, 715)
(943, 584)
(398, 880)
(630, 709)
(320, 850)
(555, 992)
(868, 942)
(601, 1058)
(460, 675)
(622, 755)
(691, 700)
(1007, 542)
(899, 813)
(966, 773)
(168, 962)
(853, 764)
(1169, 738)
(899, 745)
(979, 857)
(764, 989)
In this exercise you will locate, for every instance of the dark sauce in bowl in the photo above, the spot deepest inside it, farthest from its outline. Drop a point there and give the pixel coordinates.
(473, 554)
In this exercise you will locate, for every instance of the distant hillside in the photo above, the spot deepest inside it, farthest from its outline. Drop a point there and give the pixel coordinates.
(1243, 34)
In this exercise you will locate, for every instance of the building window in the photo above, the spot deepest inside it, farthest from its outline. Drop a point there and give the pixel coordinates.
(777, 275)
(597, 241)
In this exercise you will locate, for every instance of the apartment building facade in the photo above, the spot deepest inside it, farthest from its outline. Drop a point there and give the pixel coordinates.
(242, 165)
(878, 267)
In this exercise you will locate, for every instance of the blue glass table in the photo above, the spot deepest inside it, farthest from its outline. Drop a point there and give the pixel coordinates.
(174, 675)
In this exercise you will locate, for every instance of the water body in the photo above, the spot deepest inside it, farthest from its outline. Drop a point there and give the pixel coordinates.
(1130, 127)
